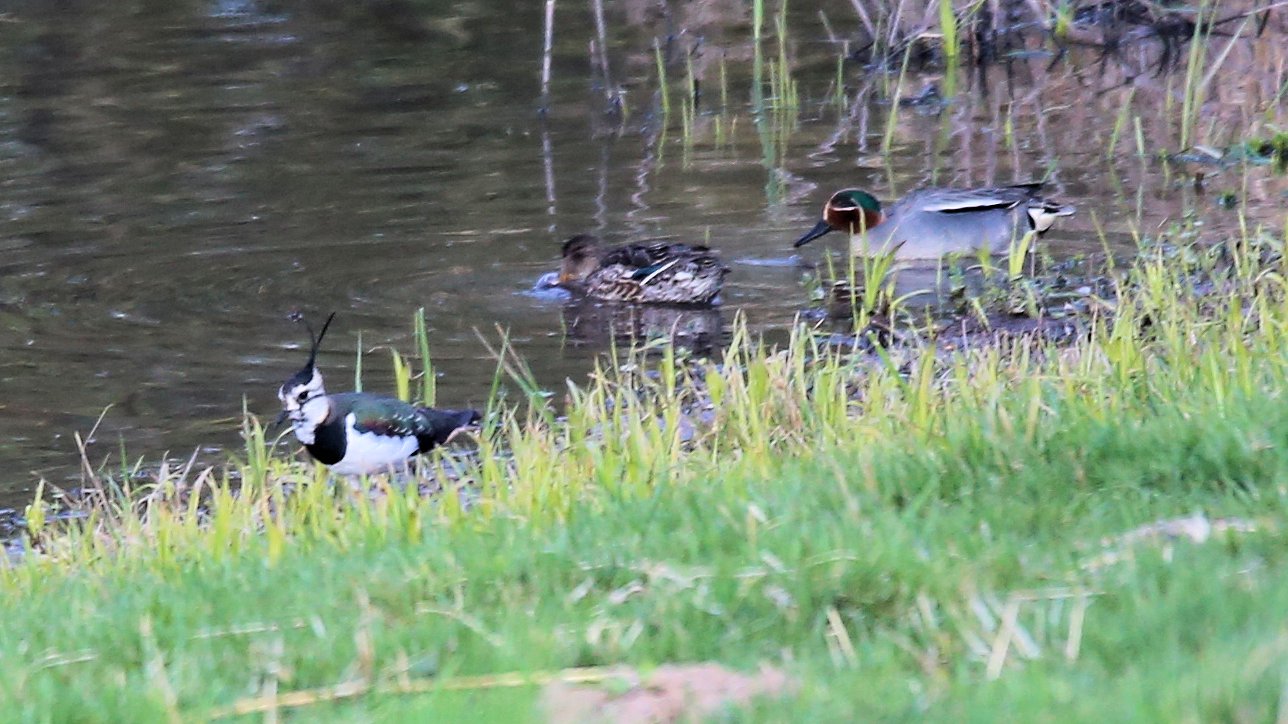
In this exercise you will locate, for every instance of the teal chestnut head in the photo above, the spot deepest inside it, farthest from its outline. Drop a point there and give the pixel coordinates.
(849, 210)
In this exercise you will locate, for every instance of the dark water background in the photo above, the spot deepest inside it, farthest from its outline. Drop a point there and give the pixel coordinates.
(177, 177)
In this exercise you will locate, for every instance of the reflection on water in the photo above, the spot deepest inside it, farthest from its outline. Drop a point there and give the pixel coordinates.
(177, 178)
(602, 325)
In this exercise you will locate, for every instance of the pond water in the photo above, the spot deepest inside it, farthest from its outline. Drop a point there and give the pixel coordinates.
(176, 178)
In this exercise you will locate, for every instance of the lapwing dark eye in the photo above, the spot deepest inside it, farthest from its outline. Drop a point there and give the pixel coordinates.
(302, 396)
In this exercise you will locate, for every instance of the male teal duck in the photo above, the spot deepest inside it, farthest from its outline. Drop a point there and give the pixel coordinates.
(650, 272)
(932, 223)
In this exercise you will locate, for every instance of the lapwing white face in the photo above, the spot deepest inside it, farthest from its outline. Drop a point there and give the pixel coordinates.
(304, 403)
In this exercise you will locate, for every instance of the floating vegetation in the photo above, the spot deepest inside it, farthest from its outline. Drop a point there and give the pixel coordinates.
(1273, 150)
(1200, 162)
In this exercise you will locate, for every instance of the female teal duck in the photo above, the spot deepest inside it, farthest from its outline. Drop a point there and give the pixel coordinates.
(651, 272)
(931, 223)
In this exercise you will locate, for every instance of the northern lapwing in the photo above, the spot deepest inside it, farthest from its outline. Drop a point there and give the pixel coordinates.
(357, 433)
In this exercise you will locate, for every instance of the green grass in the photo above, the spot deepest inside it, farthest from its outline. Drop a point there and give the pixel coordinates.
(907, 535)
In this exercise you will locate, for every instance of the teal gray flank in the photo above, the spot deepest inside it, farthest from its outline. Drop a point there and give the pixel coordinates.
(935, 222)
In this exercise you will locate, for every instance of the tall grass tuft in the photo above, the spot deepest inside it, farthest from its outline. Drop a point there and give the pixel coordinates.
(948, 32)
(1192, 100)
(664, 91)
